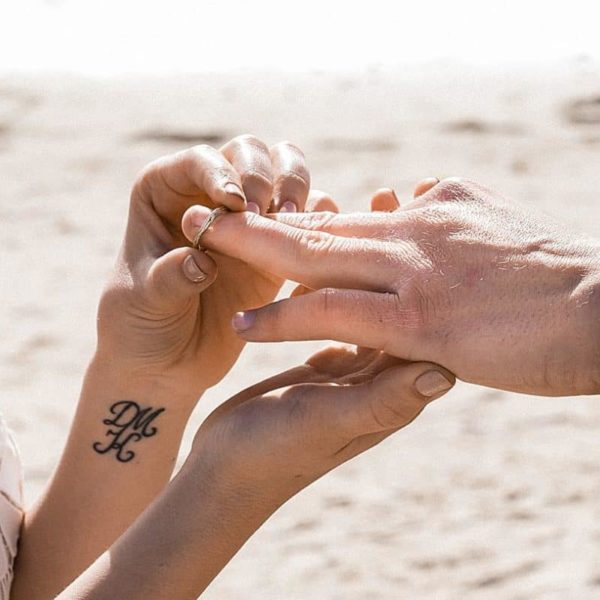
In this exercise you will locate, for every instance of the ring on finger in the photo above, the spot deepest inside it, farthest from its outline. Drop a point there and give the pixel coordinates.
(212, 217)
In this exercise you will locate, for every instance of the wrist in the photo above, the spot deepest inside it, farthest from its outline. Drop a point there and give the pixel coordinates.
(234, 474)
(123, 379)
(242, 502)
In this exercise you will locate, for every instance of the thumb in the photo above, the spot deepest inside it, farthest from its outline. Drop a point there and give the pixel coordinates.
(390, 401)
(179, 275)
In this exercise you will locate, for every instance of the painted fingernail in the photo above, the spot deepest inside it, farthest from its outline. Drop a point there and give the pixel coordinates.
(253, 207)
(243, 320)
(235, 190)
(192, 271)
(432, 383)
(289, 207)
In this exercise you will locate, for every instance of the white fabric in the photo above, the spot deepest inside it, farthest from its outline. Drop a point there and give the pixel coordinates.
(11, 507)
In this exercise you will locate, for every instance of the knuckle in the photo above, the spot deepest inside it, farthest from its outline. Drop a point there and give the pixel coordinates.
(454, 189)
(408, 311)
(319, 220)
(298, 178)
(195, 153)
(189, 160)
(430, 305)
(311, 245)
(386, 414)
(147, 178)
(424, 305)
(286, 145)
(257, 181)
(327, 300)
(276, 321)
(248, 139)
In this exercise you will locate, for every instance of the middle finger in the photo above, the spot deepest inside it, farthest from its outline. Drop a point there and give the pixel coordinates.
(250, 158)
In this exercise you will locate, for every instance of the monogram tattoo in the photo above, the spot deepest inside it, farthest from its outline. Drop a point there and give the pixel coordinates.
(128, 424)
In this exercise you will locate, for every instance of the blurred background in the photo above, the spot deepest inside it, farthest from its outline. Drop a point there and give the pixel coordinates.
(488, 495)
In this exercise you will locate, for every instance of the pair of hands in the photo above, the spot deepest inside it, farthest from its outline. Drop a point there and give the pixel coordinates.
(166, 315)
(458, 277)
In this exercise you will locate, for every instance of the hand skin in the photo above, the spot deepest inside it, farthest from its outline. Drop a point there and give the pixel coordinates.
(252, 454)
(164, 336)
(152, 317)
(499, 295)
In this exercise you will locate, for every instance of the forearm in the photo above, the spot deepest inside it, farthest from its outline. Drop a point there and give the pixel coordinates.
(120, 453)
(180, 543)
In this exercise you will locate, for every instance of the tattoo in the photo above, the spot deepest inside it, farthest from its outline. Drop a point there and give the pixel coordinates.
(128, 424)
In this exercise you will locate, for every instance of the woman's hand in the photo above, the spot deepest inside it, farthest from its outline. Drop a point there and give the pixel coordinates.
(499, 295)
(166, 312)
(251, 455)
(164, 335)
(283, 433)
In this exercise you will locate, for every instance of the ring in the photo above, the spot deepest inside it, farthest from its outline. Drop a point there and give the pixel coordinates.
(212, 217)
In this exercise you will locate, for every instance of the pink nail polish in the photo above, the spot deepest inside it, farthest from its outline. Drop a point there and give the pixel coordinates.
(289, 207)
(253, 207)
(242, 321)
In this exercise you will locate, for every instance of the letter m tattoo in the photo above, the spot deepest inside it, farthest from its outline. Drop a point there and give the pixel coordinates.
(128, 424)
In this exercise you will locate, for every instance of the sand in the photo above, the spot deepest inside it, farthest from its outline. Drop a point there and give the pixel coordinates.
(489, 495)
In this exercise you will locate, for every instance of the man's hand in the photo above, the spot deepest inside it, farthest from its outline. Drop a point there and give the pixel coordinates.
(461, 277)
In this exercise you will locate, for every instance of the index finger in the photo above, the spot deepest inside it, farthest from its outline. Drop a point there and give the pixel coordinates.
(198, 175)
(314, 258)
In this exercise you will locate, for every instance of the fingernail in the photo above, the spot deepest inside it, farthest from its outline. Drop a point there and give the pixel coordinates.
(253, 207)
(289, 207)
(198, 216)
(432, 383)
(243, 320)
(235, 190)
(192, 271)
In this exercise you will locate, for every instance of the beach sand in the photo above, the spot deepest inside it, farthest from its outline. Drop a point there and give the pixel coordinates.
(488, 495)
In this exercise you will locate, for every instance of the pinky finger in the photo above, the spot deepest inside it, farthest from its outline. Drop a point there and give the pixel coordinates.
(319, 201)
(424, 186)
(384, 200)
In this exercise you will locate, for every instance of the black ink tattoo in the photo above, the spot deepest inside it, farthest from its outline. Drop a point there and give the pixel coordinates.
(130, 423)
